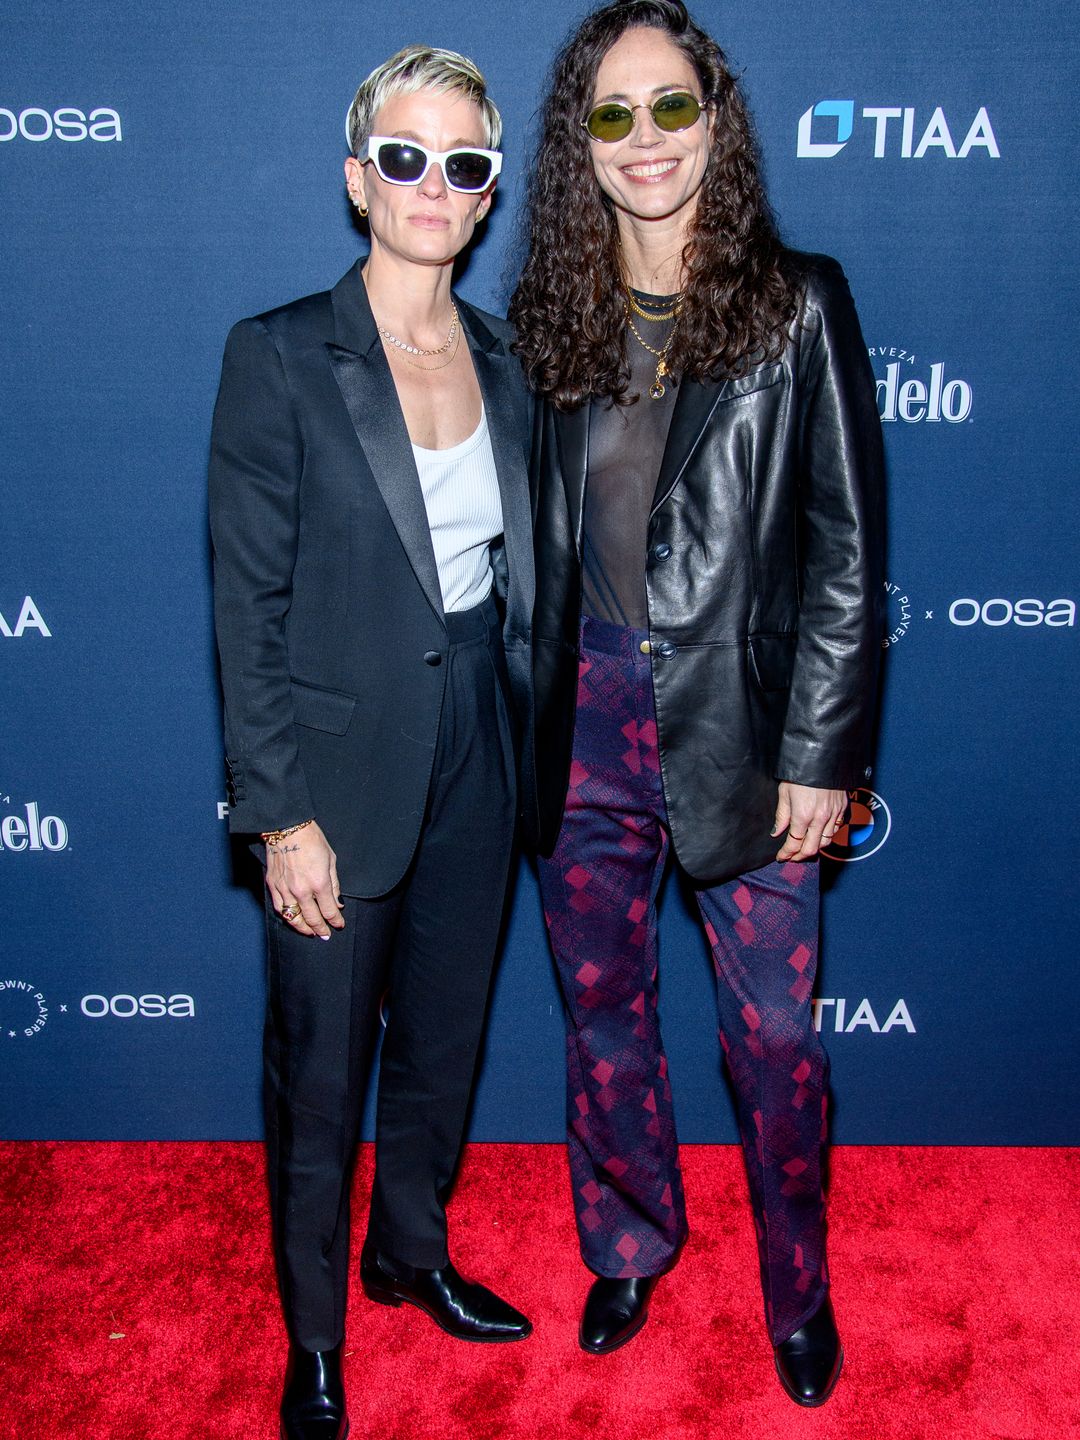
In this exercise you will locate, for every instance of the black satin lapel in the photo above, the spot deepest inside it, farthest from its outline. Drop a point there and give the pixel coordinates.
(354, 324)
(693, 406)
(572, 437)
(367, 388)
(507, 418)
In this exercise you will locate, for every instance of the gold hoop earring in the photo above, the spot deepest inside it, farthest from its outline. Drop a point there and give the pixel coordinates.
(359, 205)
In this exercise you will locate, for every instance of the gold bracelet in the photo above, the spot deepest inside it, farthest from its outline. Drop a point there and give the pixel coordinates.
(275, 837)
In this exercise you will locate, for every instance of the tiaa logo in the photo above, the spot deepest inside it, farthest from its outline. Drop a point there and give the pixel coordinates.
(861, 1015)
(66, 123)
(836, 127)
(29, 617)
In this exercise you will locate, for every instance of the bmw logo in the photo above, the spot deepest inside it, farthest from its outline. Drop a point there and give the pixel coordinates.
(866, 831)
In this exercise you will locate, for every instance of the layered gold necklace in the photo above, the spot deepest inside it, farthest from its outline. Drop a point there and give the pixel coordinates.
(407, 349)
(442, 364)
(657, 390)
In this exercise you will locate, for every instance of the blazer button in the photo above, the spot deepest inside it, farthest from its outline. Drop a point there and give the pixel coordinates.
(666, 649)
(432, 657)
(662, 551)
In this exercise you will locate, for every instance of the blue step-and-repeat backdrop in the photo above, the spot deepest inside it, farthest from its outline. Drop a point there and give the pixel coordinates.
(164, 171)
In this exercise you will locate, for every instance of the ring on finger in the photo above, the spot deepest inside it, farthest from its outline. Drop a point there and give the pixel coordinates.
(290, 912)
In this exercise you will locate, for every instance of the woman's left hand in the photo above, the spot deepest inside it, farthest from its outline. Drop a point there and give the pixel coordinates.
(301, 875)
(810, 816)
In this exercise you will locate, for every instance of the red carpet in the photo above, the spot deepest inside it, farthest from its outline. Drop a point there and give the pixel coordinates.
(138, 1304)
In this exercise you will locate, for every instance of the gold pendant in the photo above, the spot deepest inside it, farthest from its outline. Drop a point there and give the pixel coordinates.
(656, 389)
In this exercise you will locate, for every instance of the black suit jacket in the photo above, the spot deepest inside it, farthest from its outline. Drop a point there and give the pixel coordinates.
(764, 575)
(327, 601)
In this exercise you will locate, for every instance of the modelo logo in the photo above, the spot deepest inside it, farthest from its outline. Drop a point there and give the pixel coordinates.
(995, 613)
(29, 618)
(147, 1007)
(31, 830)
(36, 124)
(913, 399)
(861, 1015)
(891, 139)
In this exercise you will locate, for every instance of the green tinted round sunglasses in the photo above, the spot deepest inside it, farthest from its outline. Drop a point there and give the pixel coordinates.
(677, 110)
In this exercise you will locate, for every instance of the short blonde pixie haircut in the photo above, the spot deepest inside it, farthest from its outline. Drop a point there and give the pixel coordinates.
(420, 67)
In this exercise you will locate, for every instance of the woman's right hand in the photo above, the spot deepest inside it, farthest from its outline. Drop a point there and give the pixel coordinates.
(301, 870)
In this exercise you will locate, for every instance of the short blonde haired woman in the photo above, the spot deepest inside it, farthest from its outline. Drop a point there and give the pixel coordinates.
(373, 588)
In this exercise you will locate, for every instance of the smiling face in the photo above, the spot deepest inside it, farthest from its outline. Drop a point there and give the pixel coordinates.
(427, 223)
(652, 174)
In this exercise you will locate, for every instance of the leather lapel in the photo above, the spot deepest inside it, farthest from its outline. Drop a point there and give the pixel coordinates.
(367, 387)
(572, 438)
(693, 406)
(506, 409)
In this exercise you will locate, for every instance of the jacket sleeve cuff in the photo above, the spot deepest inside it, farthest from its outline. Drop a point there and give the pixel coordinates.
(256, 806)
(823, 766)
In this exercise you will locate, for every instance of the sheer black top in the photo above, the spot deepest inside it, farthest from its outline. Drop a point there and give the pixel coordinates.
(626, 446)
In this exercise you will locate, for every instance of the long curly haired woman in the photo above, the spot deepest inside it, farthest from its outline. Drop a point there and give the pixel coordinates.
(709, 569)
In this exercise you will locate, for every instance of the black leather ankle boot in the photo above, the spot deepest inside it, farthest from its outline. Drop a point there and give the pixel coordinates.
(313, 1405)
(808, 1363)
(615, 1310)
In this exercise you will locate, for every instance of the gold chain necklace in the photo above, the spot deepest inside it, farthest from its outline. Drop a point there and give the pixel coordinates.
(415, 349)
(639, 309)
(657, 390)
(442, 364)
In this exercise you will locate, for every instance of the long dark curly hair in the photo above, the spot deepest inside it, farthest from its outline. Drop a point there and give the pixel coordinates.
(740, 285)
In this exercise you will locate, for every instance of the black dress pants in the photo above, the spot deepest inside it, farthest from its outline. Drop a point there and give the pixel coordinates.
(431, 944)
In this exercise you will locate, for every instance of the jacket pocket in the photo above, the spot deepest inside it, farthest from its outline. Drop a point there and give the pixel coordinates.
(318, 709)
(743, 385)
(773, 660)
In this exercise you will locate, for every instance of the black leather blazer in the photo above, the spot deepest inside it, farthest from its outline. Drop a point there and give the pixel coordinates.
(327, 600)
(764, 574)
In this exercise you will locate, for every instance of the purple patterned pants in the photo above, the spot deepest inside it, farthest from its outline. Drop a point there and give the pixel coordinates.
(599, 891)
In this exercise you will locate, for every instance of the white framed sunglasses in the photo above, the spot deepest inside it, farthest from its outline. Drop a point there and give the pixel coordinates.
(406, 162)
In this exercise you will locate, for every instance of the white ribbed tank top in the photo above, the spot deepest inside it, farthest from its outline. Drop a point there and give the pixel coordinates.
(464, 510)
